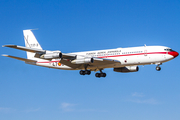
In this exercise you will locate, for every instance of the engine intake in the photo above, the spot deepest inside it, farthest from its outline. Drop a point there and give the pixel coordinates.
(127, 69)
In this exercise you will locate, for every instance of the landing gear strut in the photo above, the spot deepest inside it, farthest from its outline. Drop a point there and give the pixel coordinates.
(101, 74)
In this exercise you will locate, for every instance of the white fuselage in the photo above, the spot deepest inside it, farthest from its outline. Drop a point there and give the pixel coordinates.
(127, 56)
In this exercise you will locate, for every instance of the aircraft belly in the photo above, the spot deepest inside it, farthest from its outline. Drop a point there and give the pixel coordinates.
(105, 66)
(141, 59)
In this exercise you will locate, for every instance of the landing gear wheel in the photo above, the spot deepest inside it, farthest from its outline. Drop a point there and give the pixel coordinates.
(88, 72)
(100, 75)
(158, 68)
(82, 72)
(104, 74)
(97, 75)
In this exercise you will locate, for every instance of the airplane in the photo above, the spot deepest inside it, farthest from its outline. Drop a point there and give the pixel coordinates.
(120, 59)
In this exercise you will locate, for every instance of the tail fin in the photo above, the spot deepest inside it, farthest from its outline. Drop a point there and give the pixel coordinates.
(31, 42)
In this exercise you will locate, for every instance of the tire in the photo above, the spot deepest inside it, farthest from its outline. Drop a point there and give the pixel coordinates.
(82, 72)
(158, 68)
(97, 75)
(89, 72)
(104, 74)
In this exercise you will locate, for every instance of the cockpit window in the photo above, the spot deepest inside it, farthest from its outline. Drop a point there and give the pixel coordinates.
(168, 49)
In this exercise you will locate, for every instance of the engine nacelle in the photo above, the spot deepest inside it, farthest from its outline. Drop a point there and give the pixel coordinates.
(127, 69)
(51, 55)
(82, 61)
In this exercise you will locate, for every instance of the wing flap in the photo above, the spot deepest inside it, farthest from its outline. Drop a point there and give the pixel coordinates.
(18, 58)
(34, 50)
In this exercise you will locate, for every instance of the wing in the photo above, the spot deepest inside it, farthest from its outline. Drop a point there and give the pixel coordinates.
(18, 58)
(98, 63)
(25, 48)
(104, 61)
(66, 58)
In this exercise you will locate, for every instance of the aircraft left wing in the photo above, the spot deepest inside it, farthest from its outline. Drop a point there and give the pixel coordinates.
(69, 59)
(34, 50)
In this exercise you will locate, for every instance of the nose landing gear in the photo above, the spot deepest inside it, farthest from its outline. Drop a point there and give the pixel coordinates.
(158, 68)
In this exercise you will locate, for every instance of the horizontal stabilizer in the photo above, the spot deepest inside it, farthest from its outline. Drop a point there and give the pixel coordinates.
(34, 50)
(18, 58)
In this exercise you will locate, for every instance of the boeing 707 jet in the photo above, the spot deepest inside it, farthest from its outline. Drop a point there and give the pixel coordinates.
(120, 59)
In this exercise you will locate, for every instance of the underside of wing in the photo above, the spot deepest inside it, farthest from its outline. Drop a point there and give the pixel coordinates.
(104, 61)
(97, 63)
(68, 63)
(18, 58)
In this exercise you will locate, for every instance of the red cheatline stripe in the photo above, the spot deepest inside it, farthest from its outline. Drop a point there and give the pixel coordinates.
(134, 54)
(114, 56)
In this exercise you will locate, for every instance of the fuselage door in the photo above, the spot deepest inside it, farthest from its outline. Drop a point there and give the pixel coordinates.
(145, 52)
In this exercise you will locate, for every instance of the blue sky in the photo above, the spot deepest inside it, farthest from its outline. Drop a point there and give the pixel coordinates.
(33, 93)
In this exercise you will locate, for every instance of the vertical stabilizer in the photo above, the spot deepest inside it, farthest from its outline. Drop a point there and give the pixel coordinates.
(31, 42)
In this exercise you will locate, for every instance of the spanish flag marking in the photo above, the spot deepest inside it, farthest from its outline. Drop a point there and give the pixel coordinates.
(59, 63)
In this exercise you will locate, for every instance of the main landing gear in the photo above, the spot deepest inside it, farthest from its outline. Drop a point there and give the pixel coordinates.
(101, 74)
(88, 72)
(85, 72)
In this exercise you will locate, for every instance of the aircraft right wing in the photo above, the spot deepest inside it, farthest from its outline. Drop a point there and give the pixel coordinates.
(18, 58)
(97, 62)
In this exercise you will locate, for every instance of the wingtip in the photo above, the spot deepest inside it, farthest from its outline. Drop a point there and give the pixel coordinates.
(4, 55)
(9, 45)
(6, 45)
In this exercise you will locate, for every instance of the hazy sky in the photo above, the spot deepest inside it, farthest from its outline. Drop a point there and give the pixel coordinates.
(35, 93)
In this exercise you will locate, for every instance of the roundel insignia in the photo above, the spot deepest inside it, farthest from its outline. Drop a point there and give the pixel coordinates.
(59, 63)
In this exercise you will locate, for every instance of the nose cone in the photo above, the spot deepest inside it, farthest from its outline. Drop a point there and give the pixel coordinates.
(173, 53)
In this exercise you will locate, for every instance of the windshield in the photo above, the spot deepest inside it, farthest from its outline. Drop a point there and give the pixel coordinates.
(168, 49)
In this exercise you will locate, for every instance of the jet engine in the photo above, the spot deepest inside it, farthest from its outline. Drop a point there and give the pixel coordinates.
(84, 60)
(51, 55)
(127, 69)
